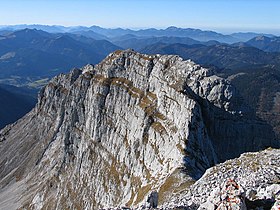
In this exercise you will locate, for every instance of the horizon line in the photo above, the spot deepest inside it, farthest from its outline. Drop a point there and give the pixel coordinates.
(216, 29)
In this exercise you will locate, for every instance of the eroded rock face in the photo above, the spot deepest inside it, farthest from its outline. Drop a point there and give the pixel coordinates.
(251, 181)
(109, 135)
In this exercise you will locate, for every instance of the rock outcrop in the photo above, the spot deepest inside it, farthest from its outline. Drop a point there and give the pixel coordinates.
(110, 135)
(251, 181)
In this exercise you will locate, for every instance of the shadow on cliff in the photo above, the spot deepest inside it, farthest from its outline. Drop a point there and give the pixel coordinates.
(230, 134)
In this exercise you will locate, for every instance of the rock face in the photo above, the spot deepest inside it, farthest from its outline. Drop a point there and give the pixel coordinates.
(230, 196)
(251, 181)
(130, 128)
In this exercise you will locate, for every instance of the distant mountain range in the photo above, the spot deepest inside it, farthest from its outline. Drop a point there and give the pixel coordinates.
(97, 32)
(32, 52)
(138, 43)
(248, 35)
(219, 55)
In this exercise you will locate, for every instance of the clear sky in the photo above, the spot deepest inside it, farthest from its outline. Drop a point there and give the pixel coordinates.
(220, 15)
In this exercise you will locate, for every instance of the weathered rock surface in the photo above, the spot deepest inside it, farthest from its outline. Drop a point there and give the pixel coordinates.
(251, 181)
(109, 135)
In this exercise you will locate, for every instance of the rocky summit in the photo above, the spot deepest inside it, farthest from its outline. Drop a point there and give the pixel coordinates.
(134, 131)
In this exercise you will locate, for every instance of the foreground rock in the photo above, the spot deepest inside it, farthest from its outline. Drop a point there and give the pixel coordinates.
(249, 182)
(130, 128)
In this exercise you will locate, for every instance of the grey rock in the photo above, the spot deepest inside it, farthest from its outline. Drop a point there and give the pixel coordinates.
(255, 178)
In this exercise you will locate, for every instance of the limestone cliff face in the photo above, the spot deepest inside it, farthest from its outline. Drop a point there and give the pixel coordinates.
(109, 135)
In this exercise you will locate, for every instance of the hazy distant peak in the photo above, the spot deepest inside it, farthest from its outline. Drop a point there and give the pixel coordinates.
(28, 31)
(261, 38)
(172, 28)
(268, 44)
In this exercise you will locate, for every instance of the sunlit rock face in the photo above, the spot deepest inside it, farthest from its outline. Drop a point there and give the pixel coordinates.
(111, 134)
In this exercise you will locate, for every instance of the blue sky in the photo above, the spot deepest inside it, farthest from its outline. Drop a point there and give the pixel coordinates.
(220, 15)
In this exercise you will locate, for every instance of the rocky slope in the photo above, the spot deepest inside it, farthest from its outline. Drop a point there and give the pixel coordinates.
(256, 181)
(132, 126)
